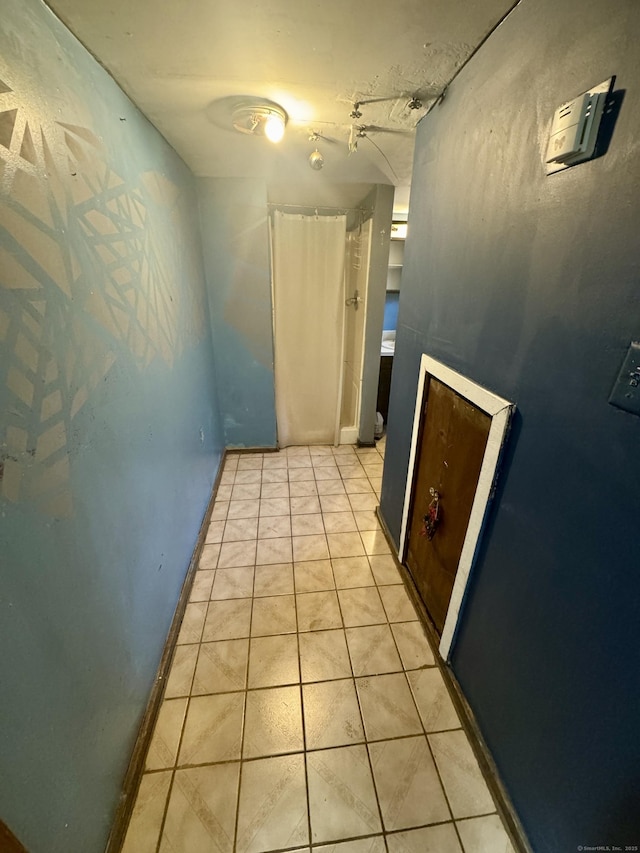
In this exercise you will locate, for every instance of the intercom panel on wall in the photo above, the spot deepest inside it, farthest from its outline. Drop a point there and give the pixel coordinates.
(574, 130)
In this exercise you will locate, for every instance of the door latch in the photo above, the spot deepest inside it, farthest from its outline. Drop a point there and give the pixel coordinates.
(356, 299)
(431, 520)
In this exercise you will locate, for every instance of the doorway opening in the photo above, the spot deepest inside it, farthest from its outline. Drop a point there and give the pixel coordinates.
(320, 278)
(459, 431)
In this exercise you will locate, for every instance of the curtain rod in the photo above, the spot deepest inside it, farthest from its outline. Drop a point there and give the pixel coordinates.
(273, 204)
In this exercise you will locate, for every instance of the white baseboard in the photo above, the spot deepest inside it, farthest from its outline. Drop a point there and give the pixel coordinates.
(348, 435)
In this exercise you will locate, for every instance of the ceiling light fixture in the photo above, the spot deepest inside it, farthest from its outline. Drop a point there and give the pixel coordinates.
(262, 118)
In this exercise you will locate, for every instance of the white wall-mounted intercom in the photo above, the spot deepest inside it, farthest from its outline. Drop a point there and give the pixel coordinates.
(574, 130)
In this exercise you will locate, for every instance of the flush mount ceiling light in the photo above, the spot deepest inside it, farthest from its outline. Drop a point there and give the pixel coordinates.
(260, 118)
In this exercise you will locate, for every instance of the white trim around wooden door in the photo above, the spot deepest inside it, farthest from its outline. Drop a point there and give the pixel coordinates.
(500, 411)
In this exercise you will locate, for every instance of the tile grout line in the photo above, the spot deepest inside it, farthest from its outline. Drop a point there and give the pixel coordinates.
(304, 727)
(244, 714)
(364, 732)
(426, 737)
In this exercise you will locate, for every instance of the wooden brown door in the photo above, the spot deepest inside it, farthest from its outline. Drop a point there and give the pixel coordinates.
(451, 448)
(8, 842)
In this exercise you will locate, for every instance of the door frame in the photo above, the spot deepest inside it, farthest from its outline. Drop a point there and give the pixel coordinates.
(349, 434)
(500, 412)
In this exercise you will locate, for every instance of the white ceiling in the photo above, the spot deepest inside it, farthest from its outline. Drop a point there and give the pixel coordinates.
(183, 63)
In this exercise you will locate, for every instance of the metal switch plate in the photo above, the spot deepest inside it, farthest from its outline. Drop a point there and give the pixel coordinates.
(626, 391)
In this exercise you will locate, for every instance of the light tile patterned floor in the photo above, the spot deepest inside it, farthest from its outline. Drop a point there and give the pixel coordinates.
(303, 710)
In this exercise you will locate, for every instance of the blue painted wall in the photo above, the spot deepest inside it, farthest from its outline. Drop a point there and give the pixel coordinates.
(529, 284)
(391, 304)
(109, 431)
(235, 233)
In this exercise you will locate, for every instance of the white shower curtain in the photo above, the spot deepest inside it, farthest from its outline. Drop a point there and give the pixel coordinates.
(308, 273)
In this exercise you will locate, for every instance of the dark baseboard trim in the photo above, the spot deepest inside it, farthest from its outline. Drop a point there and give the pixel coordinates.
(135, 770)
(252, 449)
(481, 751)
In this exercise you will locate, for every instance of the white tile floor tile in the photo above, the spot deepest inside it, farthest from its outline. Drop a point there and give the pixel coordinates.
(274, 661)
(335, 503)
(305, 504)
(209, 557)
(274, 527)
(201, 812)
(274, 579)
(273, 722)
(234, 554)
(274, 506)
(244, 492)
(246, 477)
(313, 576)
(212, 729)
(166, 734)
(276, 488)
(432, 699)
(466, 789)
(273, 805)
(214, 533)
(397, 604)
(146, 820)
(227, 620)
(407, 783)
(318, 611)
(387, 707)
(484, 835)
(306, 488)
(361, 607)
(307, 525)
(202, 584)
(351, 572)
(273, 615)
(221, 667)
(324, 655)
(412, 644)
(183, 667)
(331, 714)
(272, 551)
(233, 583)
(345, 544)
(192, 623)
(372, 650)
(342, 798)
(339, 522)
(274, 476)
(303, 691)
(243, 509)
(312, 547)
